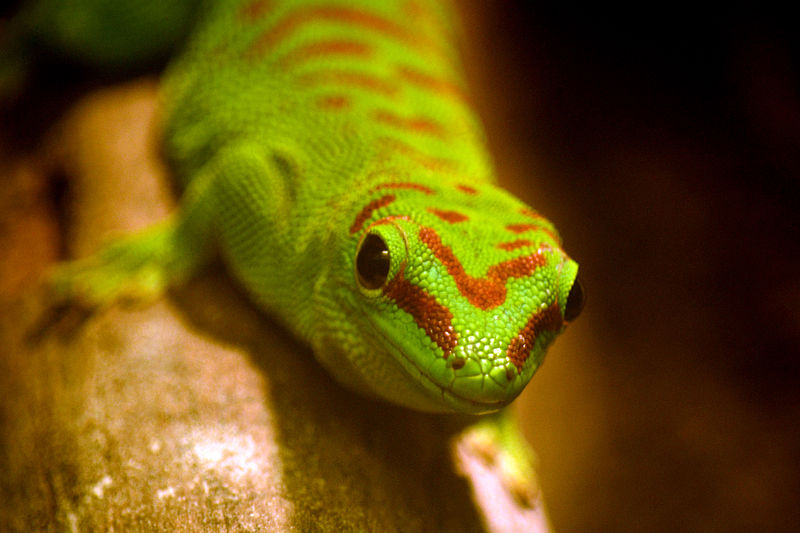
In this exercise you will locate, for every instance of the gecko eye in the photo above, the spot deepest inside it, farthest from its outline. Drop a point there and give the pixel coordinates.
(372, 262)
(575, 301)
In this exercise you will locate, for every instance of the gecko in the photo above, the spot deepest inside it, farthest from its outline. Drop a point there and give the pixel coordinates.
(330, 153)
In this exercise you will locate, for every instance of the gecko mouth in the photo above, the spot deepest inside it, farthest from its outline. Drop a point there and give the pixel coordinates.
(449, 400)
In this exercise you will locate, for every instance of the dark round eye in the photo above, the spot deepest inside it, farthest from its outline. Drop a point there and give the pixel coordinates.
(372, 262)
(575, 301)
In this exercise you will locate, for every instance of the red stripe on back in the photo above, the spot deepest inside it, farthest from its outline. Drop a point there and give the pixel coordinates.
(404, 185)
(323, 49)
(436, 164)
(467, 189)
(522, 228)
(349, 78)
(252, 11)
(414, 124)
(367, 211)
(343, 15)
(530, 213)
(431, 83)
(514, 245)
(452, 217)
(333, 102)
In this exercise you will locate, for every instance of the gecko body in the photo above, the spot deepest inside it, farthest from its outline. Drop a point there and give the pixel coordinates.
(330, 153)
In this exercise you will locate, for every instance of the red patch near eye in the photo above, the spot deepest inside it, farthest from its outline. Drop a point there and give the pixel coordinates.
(449, 216)
(428, 314)
(367, 211)
(520, 347)
(487, 292)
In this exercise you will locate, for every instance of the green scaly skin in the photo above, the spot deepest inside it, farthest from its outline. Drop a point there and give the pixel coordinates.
(329, 152)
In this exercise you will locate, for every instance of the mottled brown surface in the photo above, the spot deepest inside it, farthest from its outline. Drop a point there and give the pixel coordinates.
(196, 412)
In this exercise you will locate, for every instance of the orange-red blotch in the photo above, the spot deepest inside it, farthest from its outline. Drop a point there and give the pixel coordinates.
(342, 15)
(367, 211)
(530, 213)
(404, 185)
(423, 80)
(466, 189)
(252, 11)
(448, 216)
(514, 245)
(349, 78)
(487, 292)
(522, 228)
(416, 124)
(324, 49)
(520, 347)
(436, 164)
(434, 318)
(333, 102)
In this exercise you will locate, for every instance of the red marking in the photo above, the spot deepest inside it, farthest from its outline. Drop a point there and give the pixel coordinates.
(467, 189)
(514, 245)
(254, 10)
(487, 292)
(388, 220)
(415, 124)
(342, 15)
(415, 10)
(333, 102)
(422, 15)
(404, 185)
(436, 164)
(350, 78)
(530, 213)
(429, 314)
(366, 213)
(522, 228)
(520, 347)
(431, 83)
(449, 216)
(324, 49)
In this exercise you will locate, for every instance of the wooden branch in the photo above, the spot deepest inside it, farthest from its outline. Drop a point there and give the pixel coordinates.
(198, 412)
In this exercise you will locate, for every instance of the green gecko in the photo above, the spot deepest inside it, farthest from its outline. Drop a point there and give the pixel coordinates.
(330, 154)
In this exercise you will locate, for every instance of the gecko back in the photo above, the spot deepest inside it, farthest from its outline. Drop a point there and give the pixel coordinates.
(330, 153)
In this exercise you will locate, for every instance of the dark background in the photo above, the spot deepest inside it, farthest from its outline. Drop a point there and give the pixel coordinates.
(665, 143)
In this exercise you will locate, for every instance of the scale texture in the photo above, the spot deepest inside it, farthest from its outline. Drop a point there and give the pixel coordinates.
(330, 154)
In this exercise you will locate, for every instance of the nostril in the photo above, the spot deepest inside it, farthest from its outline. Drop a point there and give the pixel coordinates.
(511, 372)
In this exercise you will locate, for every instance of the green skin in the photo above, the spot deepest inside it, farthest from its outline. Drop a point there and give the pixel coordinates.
(329, 153)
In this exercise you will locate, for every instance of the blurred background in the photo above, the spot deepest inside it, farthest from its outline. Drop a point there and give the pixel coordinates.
(664, 141)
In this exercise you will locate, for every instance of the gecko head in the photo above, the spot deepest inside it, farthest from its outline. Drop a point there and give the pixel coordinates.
(457, 294)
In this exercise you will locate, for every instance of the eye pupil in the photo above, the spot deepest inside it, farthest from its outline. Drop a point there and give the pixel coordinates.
(575, 301)
(373, 262)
